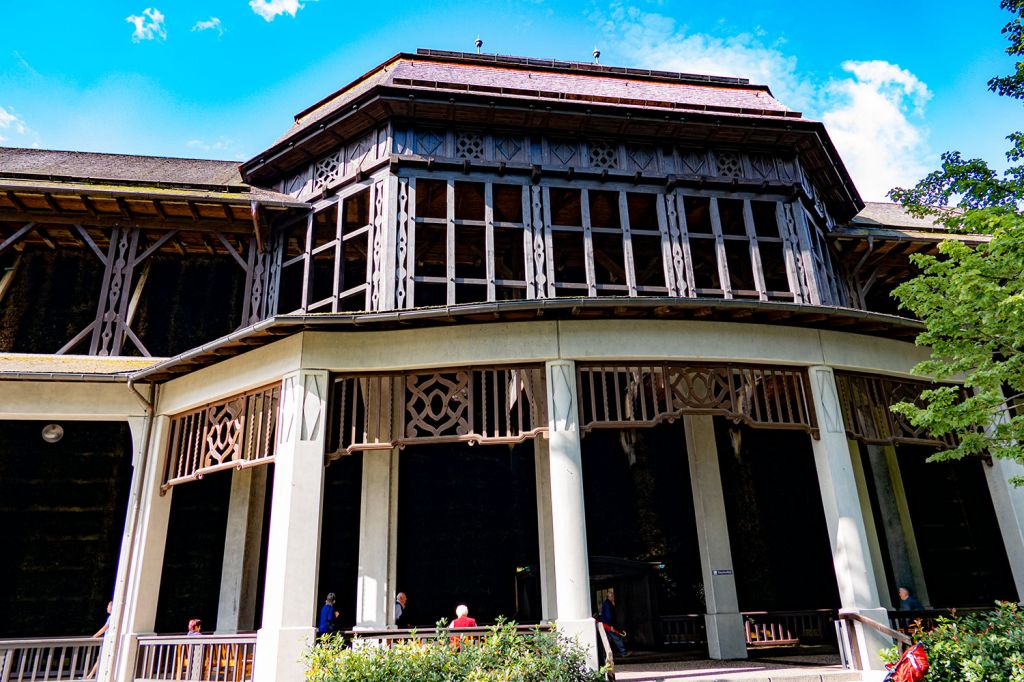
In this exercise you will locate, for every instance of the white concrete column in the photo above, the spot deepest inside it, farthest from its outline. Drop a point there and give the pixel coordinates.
(293, 545)
(907, 569)
(851, 556)
(726, 638)
(569, 524)
(546, 553)
(236, 610)
(378, 524)
(874, 546)
(1008, 502)
(135, 603)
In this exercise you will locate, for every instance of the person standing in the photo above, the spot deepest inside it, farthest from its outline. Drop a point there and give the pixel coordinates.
(462, 619)
(909, 602)
(400, 617)
(328, 616)
(608, 622)
(99, 633)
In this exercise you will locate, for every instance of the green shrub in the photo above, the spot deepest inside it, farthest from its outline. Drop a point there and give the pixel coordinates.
(979, 647)
(502, 655)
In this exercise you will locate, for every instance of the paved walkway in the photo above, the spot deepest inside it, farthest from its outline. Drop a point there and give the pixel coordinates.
(799, 668)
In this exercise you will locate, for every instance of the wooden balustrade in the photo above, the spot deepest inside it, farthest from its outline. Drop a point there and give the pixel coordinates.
(686, 630)
(48, 660)
(198, 658)
(781, 628)
(913, 622)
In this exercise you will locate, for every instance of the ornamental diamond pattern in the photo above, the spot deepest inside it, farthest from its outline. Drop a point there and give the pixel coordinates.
(507, 147)
(428, 142)
(565, 152)
(603, 155)
(469, 146)
(729, 164)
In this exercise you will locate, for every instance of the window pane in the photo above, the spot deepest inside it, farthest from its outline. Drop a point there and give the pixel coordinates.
(469, 201)
(705, 263)
(565, 207)
(568, 257)
(604, 209)
(609, 258)
(643, 211)
(431, 198)
(325, 226)
(357, 211)
(766, 223)
(773, 264)
(355, 253)
(295, 240)
(731, 213)
(323, 277)
(431, 248)
(289, 295)
(509, 260)
(508, 203)
(647, 259)
(470, 293)
(470, 250)
(698, 215)
(741, 273)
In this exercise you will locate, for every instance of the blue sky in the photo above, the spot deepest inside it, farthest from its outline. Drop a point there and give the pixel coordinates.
(896, 82)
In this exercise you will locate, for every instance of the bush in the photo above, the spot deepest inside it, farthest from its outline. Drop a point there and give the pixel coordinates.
(981, 647)
(502, 655)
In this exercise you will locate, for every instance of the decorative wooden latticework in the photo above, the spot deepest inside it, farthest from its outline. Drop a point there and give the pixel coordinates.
(490, 406)
(641, 395)
(865, 402)
(233, 433)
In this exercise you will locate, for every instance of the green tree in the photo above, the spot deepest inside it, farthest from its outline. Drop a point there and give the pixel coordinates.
(971, 299)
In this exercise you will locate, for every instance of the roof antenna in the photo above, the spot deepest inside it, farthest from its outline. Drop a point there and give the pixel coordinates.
(597, 55)
(479, 44)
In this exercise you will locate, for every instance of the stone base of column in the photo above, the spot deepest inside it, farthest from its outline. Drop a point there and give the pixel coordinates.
(870, 642)
(280, 654)
(585, 632)
(726, 638)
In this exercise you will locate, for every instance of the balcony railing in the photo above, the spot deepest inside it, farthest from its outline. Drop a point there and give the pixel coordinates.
(199, 658)
(781, 628)
(48, 660)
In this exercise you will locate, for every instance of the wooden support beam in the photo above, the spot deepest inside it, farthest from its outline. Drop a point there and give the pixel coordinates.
(18, 203)
(18, 234)
(141, 221)
(52, 203)
(8, 277)
(89, 207)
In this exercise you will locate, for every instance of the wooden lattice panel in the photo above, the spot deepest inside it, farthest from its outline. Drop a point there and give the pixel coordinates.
(481, 406)
(865, 402)
(633, 396)
(233, 433)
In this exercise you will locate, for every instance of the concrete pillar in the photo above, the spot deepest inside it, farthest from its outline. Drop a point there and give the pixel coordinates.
(293, 545)
(135, 613)
(851, 556)
(569, 524)
(542, 465)
(726, 638)
(900, 539)
(874, 546)
(1008, 502)
(378, 526)
(236, 610)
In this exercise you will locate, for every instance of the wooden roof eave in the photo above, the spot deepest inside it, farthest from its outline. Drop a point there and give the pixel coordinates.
(269, 330)
(904, 234)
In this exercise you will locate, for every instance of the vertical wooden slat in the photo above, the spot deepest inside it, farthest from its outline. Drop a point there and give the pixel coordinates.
(489, 239)
(627, 243)
(588, 243)
(755, 252)
(723, 266)
(450, 243)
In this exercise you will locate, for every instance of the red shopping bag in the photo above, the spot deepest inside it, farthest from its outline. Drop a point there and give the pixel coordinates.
(912, 666)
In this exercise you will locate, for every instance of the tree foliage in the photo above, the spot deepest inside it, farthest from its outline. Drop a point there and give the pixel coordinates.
(971, 299)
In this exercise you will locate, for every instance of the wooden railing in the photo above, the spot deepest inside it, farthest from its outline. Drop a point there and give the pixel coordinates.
(687, 630)
(199, 658)
(781, 628)
(387, 637)
(48, 660)
(913, 622)
(849, 641)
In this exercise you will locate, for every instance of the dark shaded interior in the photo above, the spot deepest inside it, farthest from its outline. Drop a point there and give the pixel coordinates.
(467, 531)
(62, 510)
(339, 536)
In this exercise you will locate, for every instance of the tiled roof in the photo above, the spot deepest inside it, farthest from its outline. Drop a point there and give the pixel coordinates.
(548, 80)
(48, 163)
(878, 213)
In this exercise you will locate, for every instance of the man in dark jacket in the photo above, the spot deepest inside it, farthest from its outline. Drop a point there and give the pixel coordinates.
(611, 627)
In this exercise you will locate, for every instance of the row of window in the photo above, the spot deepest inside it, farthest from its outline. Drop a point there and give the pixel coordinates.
(451, 241)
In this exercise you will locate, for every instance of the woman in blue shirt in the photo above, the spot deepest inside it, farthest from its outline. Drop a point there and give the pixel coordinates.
(328, 616)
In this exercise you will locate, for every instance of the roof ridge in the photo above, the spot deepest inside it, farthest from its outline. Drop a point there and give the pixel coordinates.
(108, 154)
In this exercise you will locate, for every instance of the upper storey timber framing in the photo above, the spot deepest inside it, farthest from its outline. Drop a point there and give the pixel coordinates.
(528, 115)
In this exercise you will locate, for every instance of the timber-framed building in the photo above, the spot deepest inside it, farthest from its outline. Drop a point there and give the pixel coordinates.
(489, 330)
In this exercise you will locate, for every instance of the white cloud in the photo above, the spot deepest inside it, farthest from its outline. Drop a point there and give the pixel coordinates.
(874, 115)
(871, 120)
(270, 9)
(211, 24)
(148, 26)
(223, 147)
(12, 124)
(655, 41)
